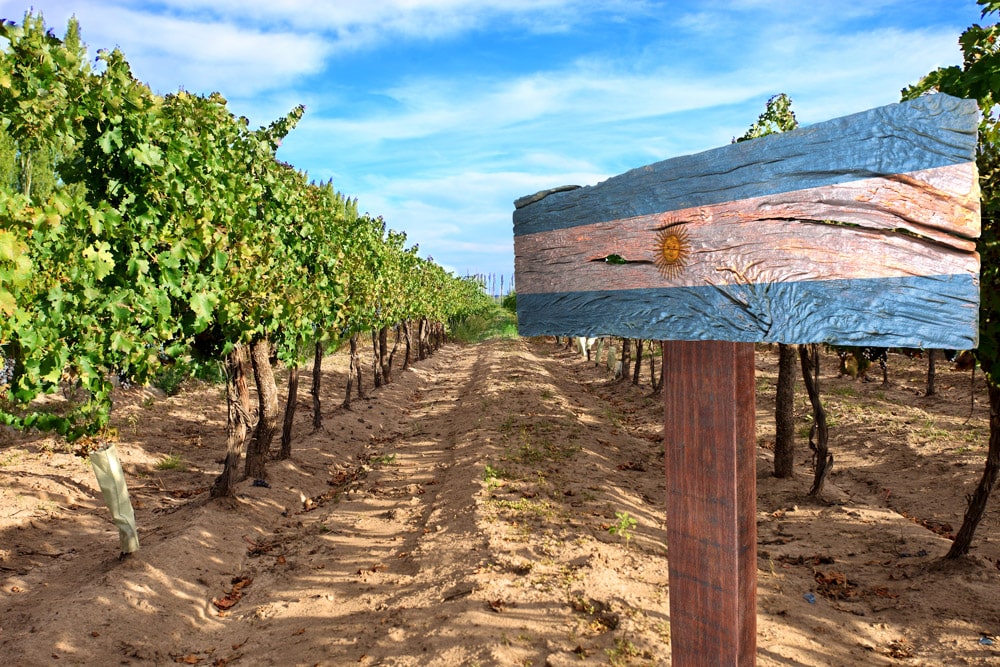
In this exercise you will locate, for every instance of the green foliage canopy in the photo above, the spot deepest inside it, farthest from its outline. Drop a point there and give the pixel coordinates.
(979, 78)
(163, 222)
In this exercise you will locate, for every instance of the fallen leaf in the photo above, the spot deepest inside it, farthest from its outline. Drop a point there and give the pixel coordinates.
(835, 586)
(234, 595)
(883, 592)
(226, 602)
(900, 648)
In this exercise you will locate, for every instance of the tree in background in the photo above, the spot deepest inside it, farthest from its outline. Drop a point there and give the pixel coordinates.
(779, 117)
(978, 78)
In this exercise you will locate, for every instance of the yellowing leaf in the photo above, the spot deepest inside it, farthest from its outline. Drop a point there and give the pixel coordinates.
(7, 303)
(100, 260)
(10, 246)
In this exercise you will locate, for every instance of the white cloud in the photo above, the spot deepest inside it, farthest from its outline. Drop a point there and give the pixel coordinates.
(443, 156)
(462, 220)
(848, 73)
(352, 24)
(435, 107)
(171, 52)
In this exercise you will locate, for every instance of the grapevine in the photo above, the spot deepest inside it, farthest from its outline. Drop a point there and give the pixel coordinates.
(141, 230)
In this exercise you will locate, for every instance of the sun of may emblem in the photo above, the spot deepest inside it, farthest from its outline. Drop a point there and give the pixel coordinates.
(672, 250)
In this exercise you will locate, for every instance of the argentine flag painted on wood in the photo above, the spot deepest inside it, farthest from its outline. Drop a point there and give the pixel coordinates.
(856, 231)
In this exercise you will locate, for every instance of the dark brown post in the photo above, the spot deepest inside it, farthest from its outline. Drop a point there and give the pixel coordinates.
(711, 501)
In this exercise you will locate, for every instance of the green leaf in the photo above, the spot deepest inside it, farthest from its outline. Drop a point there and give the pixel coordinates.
(138, 266)
(219, 261)
(110, 140)
(147, 154)
(51, 368)
(203, 305)
(120, 343)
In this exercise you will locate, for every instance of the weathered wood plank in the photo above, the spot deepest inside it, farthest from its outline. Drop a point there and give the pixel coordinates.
(921, 312)
(926, 133)
(784, 265)
(774, 238)
(709, 443)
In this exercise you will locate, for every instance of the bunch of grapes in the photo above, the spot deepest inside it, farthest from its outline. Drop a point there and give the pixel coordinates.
(124, 381)
(6, 371)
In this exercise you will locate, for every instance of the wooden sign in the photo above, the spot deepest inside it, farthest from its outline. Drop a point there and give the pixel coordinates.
(856, 231)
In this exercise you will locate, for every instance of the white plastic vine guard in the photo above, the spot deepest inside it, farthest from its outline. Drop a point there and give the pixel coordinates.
(111, 479)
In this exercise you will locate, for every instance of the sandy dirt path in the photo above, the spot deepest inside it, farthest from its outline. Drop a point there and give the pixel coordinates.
(463, 516)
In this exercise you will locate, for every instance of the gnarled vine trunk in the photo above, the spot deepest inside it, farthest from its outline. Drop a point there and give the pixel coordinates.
(384, 355)
(238, 419)
(931, 372)
(290, 402)
(820, 435)
(392, 354)
(406, 337)
(656, 380)
(423, 334)
(980, 497)
(267, 412)
(317, 377)
(626, 359)
(638, 362)
(354, 373)
(784, 413)
(438, 329)
(376, 361)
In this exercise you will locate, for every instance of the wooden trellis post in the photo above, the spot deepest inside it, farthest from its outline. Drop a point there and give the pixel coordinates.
(856, 231)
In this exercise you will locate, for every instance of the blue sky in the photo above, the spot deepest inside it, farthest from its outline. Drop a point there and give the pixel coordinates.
(438, 114)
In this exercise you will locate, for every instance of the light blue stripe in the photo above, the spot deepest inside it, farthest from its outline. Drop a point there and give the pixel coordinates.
(929, 132)
(923, 312)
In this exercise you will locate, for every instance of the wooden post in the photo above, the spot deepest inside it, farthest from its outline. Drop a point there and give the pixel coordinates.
(711, 501)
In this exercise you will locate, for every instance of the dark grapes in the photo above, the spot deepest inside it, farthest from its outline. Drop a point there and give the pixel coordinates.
(6, 371)
(124, 381)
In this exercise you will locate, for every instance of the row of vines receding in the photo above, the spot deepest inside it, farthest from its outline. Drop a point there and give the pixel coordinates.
(140, 232)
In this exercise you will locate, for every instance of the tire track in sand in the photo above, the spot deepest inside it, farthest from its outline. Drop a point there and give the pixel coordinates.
(419, 560)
